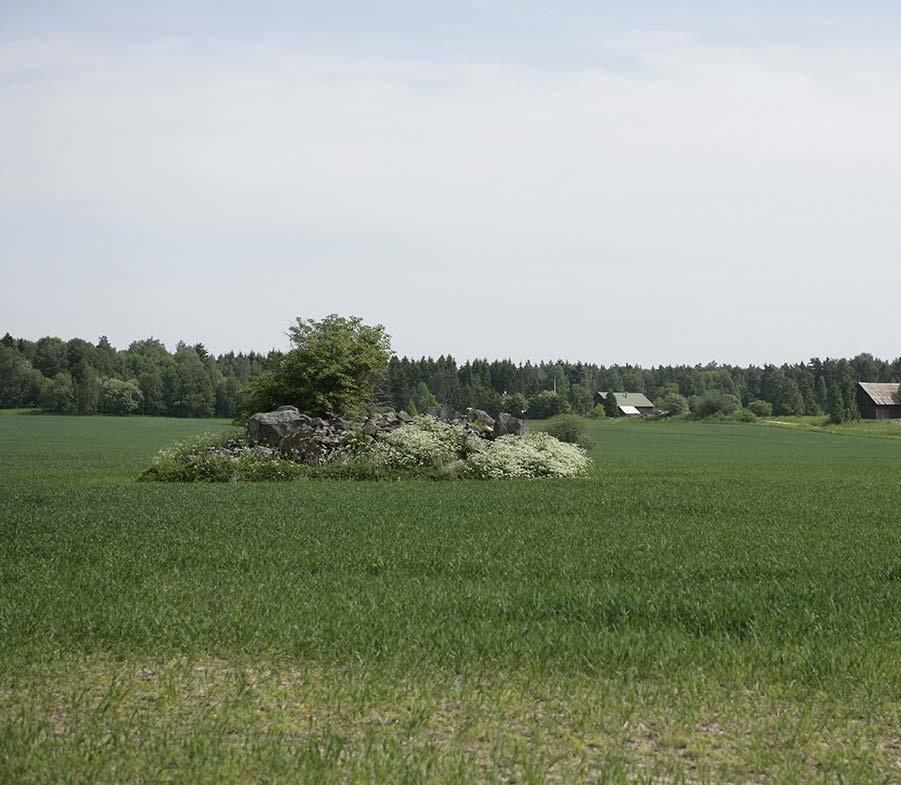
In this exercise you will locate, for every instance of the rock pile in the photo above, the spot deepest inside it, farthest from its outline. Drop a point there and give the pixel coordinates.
(288, 432)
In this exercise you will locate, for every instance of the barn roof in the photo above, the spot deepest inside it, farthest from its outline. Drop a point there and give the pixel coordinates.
(629, 410)
(629, 399)
(882, 393)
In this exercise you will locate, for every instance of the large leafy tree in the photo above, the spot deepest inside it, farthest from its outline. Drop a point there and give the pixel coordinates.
(334, 368)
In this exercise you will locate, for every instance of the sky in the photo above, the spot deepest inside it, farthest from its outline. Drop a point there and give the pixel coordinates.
(650, 183)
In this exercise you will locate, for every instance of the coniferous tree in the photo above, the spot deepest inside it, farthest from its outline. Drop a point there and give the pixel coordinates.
(821, 394)
(611, 408)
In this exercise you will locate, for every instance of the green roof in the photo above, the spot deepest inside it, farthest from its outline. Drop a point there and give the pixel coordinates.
(629, 399)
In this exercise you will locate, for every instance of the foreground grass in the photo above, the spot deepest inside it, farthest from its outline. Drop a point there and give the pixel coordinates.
(719, 603)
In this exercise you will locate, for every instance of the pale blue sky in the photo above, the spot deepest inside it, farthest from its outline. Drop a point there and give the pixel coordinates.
(638, 183)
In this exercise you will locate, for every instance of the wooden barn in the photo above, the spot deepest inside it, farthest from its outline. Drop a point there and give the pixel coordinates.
(879, 400)
(629, 403)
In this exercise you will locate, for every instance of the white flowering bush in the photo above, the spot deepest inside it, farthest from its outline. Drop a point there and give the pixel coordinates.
(411, 446)
(463, 441)
(431, 443)
(424, 443)
(538, 455)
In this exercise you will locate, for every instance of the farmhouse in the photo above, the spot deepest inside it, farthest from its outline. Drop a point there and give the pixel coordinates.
(879, 400)
(629, 403)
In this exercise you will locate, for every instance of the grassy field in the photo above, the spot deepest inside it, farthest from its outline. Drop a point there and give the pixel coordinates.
(885, 429)
(718, 603)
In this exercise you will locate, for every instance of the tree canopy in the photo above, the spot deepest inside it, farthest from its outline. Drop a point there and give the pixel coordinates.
(335, 368)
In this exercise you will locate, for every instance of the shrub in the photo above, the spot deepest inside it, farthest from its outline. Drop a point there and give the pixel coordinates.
(761, 408)
(409, 447)
(204, 469)
(714, 402)
(516, 404)
(673, 404)
(256, 468)
(546, 404)
(570, 428)
(538, 455)
(118, 397)
(425, 443)
(745, 415)
(58, 395)
(189, 461)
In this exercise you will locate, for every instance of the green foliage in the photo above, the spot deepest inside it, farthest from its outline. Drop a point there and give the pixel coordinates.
(481, 397)
(789, 399)
(50, 357)
(119, 397)
(821, 394)
(188, 383)
(58, 395)
(581, 397)
(570, 428)
(611, 407)
(761, 408)
(423, 400)
(546, 404)
(843, 402)
(673, 404)
(515, 404)
(20, 383)
(714, 403)
(86, 386)
(333, 369)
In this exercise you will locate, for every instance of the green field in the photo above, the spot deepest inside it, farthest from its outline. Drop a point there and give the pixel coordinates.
(718, 603)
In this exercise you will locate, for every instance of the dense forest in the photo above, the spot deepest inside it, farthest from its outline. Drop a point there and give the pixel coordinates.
(77, 376)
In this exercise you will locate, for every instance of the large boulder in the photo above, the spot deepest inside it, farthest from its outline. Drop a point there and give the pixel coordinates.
(480, 416)
(269, 428)
(507, 424)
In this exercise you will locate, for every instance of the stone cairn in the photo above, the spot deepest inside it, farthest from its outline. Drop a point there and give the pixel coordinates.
(287, 432)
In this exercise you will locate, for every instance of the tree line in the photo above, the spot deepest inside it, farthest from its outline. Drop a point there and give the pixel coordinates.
(77, 376)
(543, 389)
(80, 377)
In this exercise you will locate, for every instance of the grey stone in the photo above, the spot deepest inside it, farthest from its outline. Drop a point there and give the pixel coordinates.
(404, 417)
(303, 445)
(507, 424)
(479, 415)
(443, 412)
(287, 408)
(269, 428)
